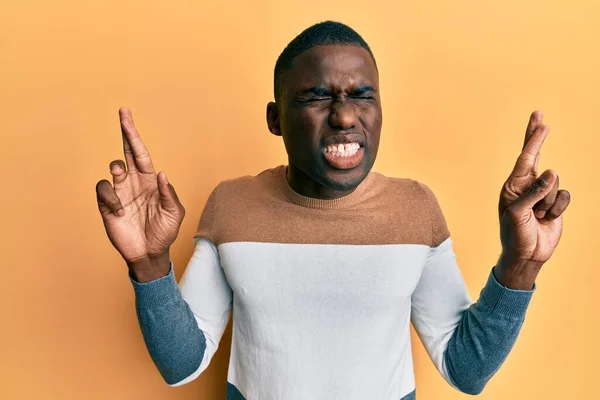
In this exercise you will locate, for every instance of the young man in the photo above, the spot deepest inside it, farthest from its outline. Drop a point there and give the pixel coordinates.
(324, 262)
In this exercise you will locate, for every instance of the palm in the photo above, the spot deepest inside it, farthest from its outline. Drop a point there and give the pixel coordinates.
(145, 229)
(151, 222)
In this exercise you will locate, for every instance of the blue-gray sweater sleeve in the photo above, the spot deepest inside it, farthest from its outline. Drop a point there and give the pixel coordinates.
(467, 342)
(485, 335)
(172, 336)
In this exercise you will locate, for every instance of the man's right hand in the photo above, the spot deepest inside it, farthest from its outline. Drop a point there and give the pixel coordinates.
(140, 210)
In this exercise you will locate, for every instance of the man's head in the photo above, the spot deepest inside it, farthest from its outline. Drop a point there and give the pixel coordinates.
(327, 94)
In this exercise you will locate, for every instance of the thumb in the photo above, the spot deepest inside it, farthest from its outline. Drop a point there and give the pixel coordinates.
(536, 192)
(168, 198)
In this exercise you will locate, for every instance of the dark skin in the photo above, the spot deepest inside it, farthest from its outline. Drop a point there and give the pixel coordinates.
(331, 92)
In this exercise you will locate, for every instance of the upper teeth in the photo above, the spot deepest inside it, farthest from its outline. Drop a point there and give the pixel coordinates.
(342, 148)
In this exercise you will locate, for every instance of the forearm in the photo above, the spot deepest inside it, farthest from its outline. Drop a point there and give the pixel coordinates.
(171, 333)
(485, 335)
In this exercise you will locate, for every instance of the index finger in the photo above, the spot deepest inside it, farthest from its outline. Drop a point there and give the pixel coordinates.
(535, 120)
(526, 163)
(136, 154)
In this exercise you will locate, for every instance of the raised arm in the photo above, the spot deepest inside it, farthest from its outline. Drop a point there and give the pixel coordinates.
(182, 325)
(469, 342)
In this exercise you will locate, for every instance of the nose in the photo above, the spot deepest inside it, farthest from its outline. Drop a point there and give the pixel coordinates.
(342, 115)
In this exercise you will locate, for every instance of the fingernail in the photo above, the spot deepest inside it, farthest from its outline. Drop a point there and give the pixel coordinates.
(545, 177)
(540, 214)
(541, 181)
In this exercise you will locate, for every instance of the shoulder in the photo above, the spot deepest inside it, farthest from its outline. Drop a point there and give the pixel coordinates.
(232, 199)
(415, 200)
(402, 188)
(246, 185)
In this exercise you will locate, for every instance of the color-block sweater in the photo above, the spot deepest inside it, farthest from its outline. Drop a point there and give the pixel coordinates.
(323, 293)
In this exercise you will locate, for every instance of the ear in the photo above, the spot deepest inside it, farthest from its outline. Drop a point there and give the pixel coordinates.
(273, 119)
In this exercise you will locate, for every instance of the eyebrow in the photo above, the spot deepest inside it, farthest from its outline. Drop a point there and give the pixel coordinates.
(363, 90)
(321, 91)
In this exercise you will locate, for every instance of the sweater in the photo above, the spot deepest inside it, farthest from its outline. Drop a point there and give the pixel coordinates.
(322, 294)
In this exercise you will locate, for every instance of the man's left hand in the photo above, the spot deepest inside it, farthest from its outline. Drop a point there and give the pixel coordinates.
(530, 209)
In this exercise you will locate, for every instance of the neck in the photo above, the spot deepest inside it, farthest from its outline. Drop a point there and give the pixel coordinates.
(303, 184)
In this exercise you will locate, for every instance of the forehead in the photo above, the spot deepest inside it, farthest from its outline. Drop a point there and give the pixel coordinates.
(337, 66)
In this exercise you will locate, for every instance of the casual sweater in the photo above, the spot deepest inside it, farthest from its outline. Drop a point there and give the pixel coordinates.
(323, 293)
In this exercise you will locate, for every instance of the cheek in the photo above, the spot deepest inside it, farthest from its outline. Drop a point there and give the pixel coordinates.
(311, 119)
(309, 125)
(302, 135)
(371, 119)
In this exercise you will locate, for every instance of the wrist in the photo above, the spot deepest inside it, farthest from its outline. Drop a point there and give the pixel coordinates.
(515, 273)
(150, 268)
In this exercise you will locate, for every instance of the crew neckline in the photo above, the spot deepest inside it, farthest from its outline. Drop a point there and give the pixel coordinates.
(312, 202)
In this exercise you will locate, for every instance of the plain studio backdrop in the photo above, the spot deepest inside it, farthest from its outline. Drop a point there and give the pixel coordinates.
(458, 82)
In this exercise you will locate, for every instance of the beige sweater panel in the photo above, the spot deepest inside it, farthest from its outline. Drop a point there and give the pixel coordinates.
(263, 208)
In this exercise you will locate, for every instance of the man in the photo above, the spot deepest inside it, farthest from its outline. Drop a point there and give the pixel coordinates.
(325, 262)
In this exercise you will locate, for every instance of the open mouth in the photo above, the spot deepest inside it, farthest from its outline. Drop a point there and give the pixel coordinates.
(343, 155)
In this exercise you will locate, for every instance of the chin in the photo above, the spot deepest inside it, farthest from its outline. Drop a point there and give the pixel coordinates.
(344, 180)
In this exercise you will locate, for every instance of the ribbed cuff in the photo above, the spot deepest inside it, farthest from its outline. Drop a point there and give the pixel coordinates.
(158, 292)
(502, 300)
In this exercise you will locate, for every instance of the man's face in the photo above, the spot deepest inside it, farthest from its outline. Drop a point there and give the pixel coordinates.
(330, 115)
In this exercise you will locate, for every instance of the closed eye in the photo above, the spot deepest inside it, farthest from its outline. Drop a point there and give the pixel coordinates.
(314, 99)
(314, 94)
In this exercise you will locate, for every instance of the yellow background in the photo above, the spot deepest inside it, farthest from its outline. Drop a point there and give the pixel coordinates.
(458, 79)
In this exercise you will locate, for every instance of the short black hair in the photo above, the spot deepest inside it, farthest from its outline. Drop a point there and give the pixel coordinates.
(323, 33)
